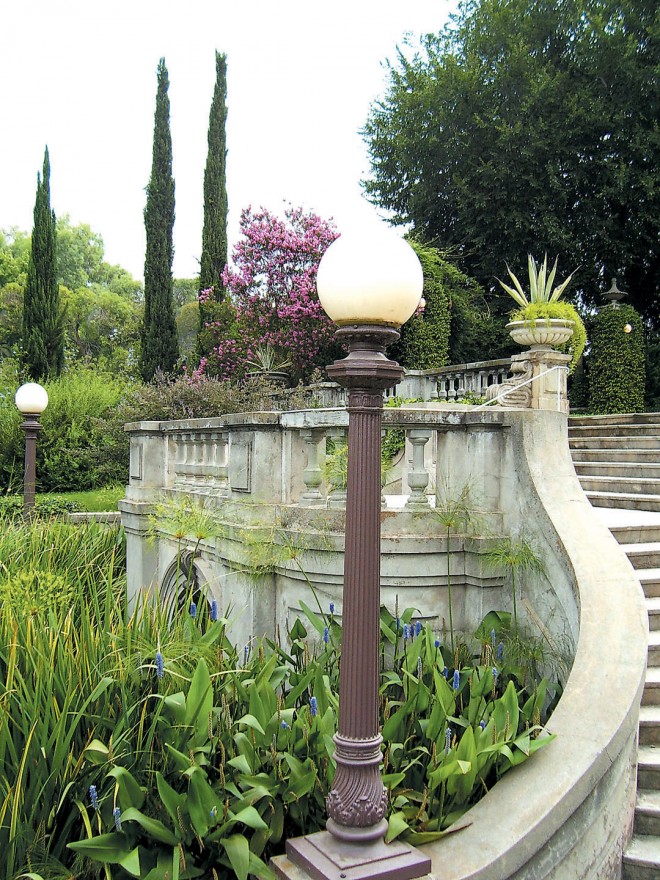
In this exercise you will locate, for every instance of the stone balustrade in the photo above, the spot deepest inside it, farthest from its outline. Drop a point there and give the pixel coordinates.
(454, 382)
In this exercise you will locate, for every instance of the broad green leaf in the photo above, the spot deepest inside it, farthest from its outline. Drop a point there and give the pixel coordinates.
(250, 817)
(251, 721)
(238, 851)
(240, 762)
(317, 622)
(176, 703)
(172, 800)
(130, 793)
(110, 848)
(199, 702)
(153, 827)
(97, 752)
(396, 825)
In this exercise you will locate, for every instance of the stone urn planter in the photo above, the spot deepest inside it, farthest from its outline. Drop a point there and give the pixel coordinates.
(541, 334)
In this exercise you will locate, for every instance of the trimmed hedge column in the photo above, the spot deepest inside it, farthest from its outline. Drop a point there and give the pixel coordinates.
(617, 368)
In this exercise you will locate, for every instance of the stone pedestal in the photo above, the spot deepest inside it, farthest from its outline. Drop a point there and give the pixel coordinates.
(538, 381)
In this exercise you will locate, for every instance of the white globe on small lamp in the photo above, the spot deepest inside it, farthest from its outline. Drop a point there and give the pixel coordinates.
(31, 400)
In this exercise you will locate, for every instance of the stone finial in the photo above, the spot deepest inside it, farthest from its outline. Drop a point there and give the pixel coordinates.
(613, 295)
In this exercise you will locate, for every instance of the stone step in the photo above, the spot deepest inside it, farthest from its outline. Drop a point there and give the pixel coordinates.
(641, 860)
(649, 726)
(654, 648)
(615, 455)
(653, 608)
(643, 555)
(647, 812)
(651, 693)
(624, 501)
(645, 533)
(649, 578)
(628, 470)
(649, 429)
(628, 486)
(616, 419)
(641, 441)
(648, 768)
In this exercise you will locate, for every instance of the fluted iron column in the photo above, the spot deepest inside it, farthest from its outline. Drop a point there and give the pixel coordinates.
(357, 801)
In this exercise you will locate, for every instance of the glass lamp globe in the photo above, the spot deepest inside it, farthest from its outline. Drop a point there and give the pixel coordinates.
(372, 277)
(31, 399)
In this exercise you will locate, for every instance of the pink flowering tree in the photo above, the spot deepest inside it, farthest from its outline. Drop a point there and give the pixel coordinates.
(272, 290)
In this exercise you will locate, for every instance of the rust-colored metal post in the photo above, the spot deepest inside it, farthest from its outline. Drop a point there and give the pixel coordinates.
(357, 802)
(353, 847)
(31, 426)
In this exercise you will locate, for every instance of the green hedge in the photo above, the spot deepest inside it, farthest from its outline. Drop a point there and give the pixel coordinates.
(617, 362)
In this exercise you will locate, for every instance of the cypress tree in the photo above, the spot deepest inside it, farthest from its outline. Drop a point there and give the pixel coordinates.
(43, 325)
(214, 233)
(160, 350)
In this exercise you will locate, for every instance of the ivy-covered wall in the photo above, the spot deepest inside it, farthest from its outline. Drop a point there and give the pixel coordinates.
(617, 369)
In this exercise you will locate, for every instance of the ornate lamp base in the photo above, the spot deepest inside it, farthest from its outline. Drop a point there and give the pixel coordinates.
(322, 856)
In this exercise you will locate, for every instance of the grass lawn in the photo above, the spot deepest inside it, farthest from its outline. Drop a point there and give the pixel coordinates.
(96, 500)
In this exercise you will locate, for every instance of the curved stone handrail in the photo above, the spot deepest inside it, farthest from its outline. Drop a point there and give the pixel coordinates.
(580, 789)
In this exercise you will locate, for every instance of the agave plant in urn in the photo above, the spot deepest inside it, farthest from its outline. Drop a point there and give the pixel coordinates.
(543, 320)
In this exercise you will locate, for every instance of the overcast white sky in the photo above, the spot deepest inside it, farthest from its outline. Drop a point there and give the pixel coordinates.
(80, 76)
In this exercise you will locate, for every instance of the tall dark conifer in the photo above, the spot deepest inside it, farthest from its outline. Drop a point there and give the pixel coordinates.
(160, 350)
(214, 234)
(43, 326)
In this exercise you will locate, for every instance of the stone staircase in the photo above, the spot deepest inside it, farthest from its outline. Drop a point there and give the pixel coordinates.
(641, 860)
(617, 459)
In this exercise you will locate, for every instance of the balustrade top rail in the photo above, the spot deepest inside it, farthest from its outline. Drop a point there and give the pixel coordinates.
(280, 457)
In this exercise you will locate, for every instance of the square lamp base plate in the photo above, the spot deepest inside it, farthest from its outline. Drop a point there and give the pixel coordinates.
(324, 857)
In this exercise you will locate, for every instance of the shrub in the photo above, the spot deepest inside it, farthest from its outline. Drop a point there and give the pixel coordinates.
(11, 507)
(616, 362)
(72, 448)
(424, 342)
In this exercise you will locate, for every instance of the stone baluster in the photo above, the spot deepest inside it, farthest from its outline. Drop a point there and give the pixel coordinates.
(337, 495)
(220, 463)
(418, 476)
(179, 459)
(313, 473)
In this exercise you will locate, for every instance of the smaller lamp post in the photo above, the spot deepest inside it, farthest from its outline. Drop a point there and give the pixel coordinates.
(31, 400)
(369, 284)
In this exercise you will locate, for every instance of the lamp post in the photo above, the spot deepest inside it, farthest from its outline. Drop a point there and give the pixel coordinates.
(31, 400)
(369, 285)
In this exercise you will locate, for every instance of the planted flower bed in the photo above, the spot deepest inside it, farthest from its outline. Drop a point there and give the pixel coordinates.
(153, 748)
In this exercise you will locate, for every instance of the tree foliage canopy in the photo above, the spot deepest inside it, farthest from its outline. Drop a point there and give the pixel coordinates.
(273, 303)
(530, 126)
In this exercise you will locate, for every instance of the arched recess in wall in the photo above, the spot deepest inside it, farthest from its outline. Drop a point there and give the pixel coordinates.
(184, 582)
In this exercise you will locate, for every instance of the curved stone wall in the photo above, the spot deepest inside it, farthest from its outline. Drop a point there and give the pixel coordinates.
(568, 813)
